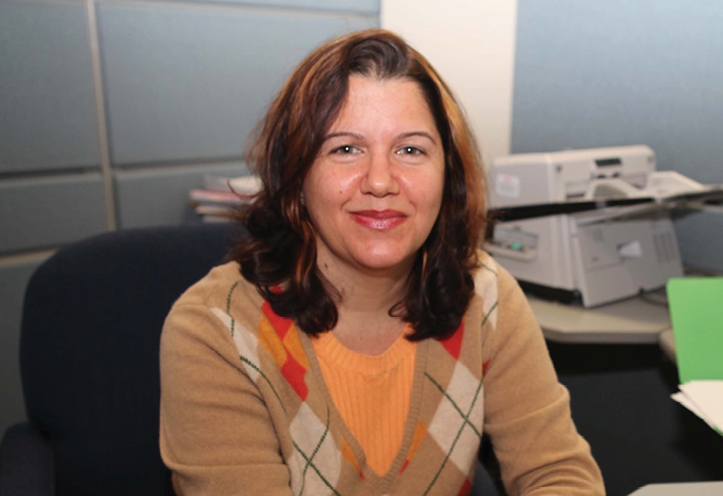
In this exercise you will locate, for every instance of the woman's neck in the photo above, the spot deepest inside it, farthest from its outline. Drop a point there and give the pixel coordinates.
(361, 289)
(365, 298)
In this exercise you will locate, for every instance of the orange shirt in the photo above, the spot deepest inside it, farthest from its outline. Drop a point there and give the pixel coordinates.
(371, 393)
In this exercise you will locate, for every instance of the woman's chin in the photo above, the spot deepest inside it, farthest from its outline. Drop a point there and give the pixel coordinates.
(386, 260)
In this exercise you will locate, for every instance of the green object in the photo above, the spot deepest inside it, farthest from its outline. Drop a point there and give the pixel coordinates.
(516, 246)
(696, 312)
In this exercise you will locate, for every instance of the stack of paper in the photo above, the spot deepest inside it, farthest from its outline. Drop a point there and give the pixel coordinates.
(222, 195)
(696, 313)
(245, 185)
(705, 399)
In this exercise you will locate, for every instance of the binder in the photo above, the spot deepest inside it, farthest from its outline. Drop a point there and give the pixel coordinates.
(696, 313)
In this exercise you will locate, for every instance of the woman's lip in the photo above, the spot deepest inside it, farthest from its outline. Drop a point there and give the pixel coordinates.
(379, 220)
(379, 214)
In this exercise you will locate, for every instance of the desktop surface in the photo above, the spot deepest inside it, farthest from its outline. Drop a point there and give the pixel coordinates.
(637, 320)
(679, 489)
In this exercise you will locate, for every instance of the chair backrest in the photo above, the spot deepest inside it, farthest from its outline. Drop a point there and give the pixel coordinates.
(89, 351)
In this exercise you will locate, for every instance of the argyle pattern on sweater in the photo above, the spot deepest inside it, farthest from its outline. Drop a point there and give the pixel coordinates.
(446, 414)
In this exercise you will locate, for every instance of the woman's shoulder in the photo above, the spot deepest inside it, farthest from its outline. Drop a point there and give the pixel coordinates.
(220, 297)
(213, 316)
(495, 288)
(214, 288)
(489, 275)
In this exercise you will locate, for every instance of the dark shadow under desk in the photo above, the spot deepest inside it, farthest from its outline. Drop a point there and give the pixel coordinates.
(621, 404)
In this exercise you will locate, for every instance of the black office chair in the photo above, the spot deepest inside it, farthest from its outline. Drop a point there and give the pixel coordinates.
(91, 325)
(90, 335)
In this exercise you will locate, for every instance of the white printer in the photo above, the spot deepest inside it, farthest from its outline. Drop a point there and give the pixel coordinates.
(594, 224)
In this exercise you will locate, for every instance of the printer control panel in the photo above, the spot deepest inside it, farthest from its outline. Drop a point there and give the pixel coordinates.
(513, 243)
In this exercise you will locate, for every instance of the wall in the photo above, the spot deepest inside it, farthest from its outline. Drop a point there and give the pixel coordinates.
(613, 72)
(110, 111)
(472, 45)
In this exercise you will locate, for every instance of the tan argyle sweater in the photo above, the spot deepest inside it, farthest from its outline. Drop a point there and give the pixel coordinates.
(245, 410)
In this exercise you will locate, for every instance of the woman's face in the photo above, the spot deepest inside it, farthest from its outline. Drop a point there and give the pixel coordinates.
(375, 190)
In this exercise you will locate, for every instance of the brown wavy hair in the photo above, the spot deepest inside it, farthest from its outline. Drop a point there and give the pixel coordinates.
(278, 254)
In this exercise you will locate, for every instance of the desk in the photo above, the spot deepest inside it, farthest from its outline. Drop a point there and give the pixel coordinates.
(678, 489)
(667, 343)
(632, 321)
(639, 320)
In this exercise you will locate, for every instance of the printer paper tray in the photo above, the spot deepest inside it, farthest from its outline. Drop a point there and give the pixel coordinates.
(614, 208)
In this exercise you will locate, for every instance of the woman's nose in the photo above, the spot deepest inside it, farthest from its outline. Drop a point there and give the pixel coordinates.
(380, 179)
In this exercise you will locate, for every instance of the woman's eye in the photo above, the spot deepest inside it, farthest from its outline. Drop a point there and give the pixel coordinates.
(345, 150)
(410, 150)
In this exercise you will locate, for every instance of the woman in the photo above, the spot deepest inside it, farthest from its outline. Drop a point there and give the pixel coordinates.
(359, 343)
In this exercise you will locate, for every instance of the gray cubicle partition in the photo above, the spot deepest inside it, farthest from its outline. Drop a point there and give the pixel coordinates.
(110, 111)
(47, 110)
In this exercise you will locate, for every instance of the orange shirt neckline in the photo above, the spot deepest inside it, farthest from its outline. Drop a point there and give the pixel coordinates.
(334, 352)
(371, 393)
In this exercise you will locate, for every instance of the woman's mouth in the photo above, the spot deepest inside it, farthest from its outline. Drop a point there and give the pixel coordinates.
(379, 220)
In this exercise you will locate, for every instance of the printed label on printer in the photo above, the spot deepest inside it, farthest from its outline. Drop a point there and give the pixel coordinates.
(507, 186)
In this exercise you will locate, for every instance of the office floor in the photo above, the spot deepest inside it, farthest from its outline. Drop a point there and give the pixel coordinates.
(621, 404)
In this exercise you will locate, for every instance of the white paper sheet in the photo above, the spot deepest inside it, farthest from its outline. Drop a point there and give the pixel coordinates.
(683, 400)
(705, 399)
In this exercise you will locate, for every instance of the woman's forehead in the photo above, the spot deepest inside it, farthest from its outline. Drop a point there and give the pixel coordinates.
(392, 102)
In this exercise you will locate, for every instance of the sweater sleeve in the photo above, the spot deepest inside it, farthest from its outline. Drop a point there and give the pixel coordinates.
(527, 411)
(216, 434)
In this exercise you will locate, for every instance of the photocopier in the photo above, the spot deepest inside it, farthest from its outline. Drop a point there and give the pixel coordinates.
(594, 225)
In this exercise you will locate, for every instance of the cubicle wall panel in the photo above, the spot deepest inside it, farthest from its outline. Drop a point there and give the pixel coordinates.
(700, 237)
(159, 196)
(186, 83)
(14, 277)
(47, 110)
(591, 74)
(361, 6)
(49, 211)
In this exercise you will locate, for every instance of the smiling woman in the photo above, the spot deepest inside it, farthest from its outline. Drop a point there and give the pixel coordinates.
(374, 192)
(368, 102)
(359, 343)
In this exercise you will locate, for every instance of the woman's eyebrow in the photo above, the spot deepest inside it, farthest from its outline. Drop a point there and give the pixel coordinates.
(417, 133)
(357, 136)
(343, 133)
